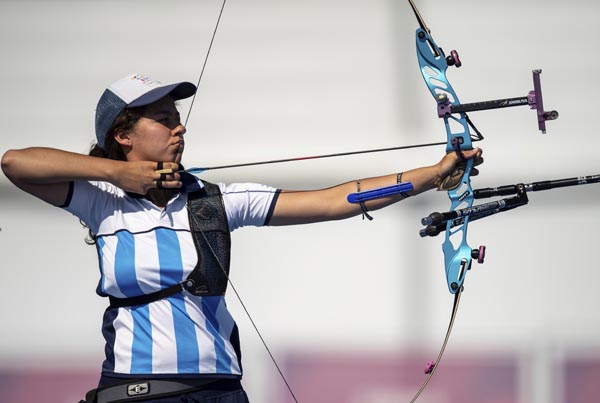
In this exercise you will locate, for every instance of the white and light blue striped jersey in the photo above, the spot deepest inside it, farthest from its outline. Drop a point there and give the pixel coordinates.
(142, 249)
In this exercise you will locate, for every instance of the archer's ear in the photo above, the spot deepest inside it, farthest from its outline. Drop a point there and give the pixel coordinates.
(122, 137)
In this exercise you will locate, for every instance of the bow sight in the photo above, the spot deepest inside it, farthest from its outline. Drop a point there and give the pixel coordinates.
(533, 99)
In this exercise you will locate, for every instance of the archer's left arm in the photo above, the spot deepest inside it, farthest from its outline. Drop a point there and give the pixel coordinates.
(312, 206)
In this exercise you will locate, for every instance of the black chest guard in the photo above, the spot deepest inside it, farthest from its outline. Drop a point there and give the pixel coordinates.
(210, 231)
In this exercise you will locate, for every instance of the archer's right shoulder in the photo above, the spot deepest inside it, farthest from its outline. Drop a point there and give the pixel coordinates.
(98, 187)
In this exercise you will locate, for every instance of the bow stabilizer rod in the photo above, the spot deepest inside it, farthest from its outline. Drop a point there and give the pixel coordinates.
(536, 186)
(436, 222)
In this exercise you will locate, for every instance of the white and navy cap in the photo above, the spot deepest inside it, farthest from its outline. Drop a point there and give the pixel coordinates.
(130, 92)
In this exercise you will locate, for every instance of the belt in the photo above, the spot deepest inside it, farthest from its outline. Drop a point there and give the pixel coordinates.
(144, 389)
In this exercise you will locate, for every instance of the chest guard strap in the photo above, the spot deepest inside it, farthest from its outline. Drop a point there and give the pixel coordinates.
(210, 231)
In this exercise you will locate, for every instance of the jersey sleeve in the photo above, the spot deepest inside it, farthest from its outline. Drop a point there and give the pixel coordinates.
(88, 199)
(248, 204)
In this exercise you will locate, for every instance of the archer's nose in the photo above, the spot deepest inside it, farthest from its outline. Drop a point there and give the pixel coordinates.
(179, 130)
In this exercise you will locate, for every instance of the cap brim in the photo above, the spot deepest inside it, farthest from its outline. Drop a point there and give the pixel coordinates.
(177, 91)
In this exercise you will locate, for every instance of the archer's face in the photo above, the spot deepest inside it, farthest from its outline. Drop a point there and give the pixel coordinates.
(158, 134)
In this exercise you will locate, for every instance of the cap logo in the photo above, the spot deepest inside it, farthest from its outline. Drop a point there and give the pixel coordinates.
(134, 86)
(146, 80)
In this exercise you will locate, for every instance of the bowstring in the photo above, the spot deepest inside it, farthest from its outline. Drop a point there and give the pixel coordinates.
(239, 298)
(264, 343)
(212, 40)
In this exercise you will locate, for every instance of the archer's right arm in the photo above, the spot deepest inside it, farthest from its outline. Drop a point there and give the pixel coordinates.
(46, 172)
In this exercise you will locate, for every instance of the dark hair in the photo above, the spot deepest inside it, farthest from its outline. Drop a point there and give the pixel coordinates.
(112, 149)
(124, 122)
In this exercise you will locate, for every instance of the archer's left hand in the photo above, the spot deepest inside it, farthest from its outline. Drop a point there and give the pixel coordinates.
(451, 167)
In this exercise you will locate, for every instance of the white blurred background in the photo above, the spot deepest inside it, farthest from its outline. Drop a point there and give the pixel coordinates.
(289, 78)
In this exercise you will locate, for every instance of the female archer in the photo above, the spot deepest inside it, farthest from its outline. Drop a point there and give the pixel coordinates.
(162, 237)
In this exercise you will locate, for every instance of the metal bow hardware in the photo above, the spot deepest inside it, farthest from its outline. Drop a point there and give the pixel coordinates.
(434, 63)
(458, 255)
